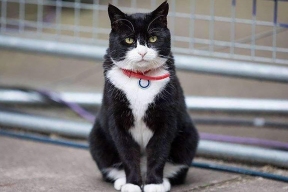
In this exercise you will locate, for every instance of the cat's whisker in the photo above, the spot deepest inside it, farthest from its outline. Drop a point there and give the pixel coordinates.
(166, 56)
(154, 20)
(132, 29)
(154, 30)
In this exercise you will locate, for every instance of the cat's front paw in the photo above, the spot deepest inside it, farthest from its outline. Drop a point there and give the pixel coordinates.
(154, 188)
(119, 183)
(163, 187)
(130, 188)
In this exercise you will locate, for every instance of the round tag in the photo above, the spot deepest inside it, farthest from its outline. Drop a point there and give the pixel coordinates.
(144, 83)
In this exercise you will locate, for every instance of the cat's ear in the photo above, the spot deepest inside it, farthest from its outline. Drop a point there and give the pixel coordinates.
(162, 9)
(162, 12)
(115, 14)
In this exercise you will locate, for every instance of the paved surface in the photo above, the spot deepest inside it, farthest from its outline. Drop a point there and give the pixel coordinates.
(28, 166)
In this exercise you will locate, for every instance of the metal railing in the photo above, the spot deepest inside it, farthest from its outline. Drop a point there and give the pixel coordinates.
(254, 31)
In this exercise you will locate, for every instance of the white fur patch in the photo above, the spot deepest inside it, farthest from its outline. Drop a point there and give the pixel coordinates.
(119, 183)
(167, 184)
(143, 167)
(114, 174)
(120, 178)
(139, 99)
(171, 169)
(141, 134)
(163, 187)
(130, 188)
(134, 59)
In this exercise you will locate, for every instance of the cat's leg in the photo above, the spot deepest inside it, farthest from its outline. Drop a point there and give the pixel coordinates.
(182, 152)
(106, 157)
(163, 171)
(157, 152)
(129, 153)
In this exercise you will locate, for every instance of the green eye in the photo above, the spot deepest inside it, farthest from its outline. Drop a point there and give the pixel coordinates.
(129, 40)
(153, 39)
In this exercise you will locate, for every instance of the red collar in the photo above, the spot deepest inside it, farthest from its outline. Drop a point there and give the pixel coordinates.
(143, 76)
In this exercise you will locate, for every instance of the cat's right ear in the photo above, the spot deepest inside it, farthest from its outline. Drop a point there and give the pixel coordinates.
(115, 16)
(161, 12)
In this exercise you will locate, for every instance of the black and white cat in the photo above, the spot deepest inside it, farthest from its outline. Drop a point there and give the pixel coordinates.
(143, 137)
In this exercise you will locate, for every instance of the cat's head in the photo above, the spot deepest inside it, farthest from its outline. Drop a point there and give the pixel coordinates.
(139, 41)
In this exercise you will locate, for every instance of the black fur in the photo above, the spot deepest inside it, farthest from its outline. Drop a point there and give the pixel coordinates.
(175, 137)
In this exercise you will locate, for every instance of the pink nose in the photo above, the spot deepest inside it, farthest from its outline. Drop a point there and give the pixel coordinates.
(142, 53)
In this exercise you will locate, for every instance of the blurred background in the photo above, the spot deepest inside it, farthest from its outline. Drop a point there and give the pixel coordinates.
(232, 58)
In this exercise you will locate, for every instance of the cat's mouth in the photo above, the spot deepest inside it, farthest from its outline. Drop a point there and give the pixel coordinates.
(144, 65)
(140, 65)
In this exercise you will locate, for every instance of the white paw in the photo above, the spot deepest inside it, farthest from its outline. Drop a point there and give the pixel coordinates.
(167, 185)
(119, 183)
(164, 187)
(130, 188)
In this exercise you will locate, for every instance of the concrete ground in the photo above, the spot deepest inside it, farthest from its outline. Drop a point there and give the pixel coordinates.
(27, 166)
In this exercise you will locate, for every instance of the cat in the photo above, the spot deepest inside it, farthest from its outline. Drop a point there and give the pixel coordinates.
(143, 137)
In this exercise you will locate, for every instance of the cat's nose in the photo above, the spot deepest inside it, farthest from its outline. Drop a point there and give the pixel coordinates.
(142, 53)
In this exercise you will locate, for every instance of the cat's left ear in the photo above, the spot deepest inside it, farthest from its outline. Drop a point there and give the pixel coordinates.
(114, 15)
(162, 12)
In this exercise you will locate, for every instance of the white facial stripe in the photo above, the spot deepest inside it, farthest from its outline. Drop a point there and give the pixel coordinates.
(141, 49)
(141, 58)
(133, 61)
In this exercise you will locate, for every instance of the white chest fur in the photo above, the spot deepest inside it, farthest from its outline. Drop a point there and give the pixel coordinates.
(139, 99)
